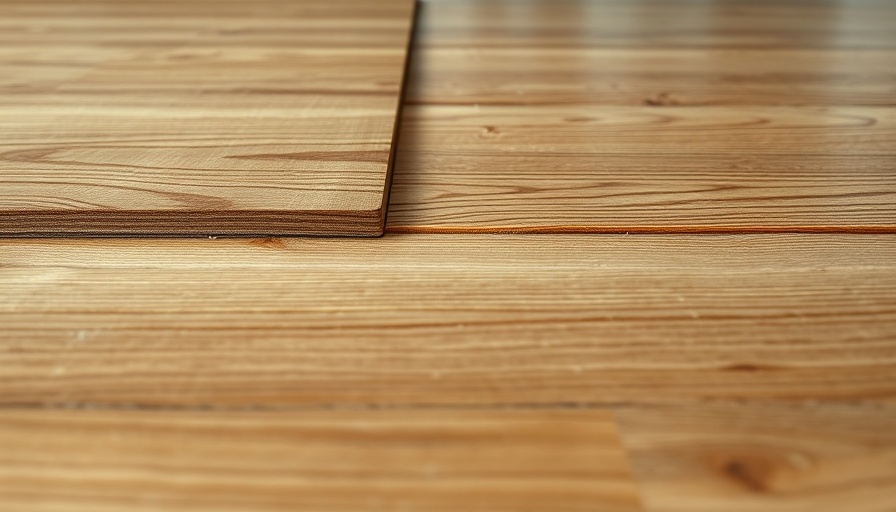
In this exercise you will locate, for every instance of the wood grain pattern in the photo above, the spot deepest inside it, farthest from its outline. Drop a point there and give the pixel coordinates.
(648, 117)
(749, 372)
(368, 460)
(683, 24)
(636, 169)
(515, 74)
(200, 118)
(763, 457)
(462, 319)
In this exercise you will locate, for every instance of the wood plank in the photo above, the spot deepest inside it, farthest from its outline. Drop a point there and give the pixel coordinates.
(615, 52)
(461, 319)
(763, 457)
(636, 118)
(199, 118)
(482, 74)
(745, 24)
(313, 460)
(637, 169)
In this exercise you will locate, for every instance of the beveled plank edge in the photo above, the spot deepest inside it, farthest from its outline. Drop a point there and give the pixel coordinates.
(193, 223)
(399, 112)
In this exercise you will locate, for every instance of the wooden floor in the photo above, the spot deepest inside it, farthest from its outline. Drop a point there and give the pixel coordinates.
(639, 256)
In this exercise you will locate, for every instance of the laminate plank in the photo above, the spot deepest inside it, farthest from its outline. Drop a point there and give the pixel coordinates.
(630, 169)
(461, 319)
(720, 118)
(478, 74)
(105, 460)
(745, 24)
(763, 457)
(136, 118)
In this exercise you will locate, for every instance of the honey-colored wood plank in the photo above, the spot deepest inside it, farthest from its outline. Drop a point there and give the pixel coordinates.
(627, 122)
(634, 169)
(763, 458)
(627, 24)
(652, 52)
(313, 460)
(691, 77)
(461, 319)
(199, 118)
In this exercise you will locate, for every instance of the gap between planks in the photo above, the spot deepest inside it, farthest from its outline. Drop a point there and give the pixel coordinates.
(641, 230)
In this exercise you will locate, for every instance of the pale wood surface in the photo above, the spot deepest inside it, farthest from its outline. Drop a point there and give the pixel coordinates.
(747, 372)
(198, 117)
(650, 116)
(679, 24)
(461, 319)
(373, 460)
(763, 458)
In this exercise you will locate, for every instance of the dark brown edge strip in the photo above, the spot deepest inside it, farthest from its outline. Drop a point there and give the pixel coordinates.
(399, 112)
(189, 223)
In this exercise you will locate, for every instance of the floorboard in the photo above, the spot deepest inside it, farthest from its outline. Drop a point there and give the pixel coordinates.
(439, 319)
(649, 117)
(200, 118)
(325, 460)
(763, 458)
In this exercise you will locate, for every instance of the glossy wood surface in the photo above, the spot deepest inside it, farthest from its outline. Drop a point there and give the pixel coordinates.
(327, 460)
(744, 370)
(462, 319)
(618, 116)
(198, 118)
(764, 457)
